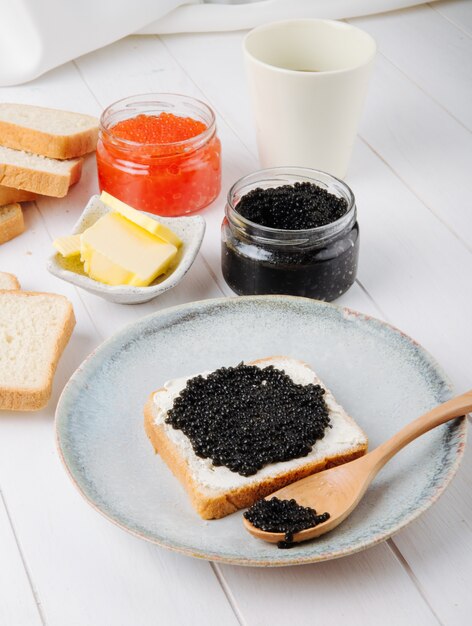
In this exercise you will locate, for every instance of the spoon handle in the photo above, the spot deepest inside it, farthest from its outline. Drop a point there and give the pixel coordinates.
(456, 407)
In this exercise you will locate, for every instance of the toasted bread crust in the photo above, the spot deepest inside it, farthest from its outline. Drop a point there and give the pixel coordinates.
(217, 505)
(18, 399)
(52, 146)
(8, 195)
(14, 282)
(37, 181)
(12, 227)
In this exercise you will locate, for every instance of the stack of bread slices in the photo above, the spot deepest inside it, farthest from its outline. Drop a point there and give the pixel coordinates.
(41, 154)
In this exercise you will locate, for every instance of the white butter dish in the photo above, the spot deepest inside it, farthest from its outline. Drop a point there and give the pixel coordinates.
(189, 229)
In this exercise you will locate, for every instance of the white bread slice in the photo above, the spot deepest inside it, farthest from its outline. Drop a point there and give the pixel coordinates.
(216, 491)
(49, 132)
(38, 174)
(9, 281)
(9, 195)
(11, 222)
(34, 330)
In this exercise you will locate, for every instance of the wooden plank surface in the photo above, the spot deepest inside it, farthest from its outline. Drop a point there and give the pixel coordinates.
(426, 147)
(17, 602)
(410, 173)
(438, 546)
(457, 12)
(361, 589)
(416, 28)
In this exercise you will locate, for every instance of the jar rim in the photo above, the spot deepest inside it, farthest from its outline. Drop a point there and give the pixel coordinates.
(309, 175)
(154, 98)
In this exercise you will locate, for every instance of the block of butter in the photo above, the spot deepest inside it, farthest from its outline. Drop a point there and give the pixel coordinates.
(116, 251)
(139, 218)
(68, 246)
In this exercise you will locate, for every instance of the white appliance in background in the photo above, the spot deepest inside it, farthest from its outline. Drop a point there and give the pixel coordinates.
(37, 35)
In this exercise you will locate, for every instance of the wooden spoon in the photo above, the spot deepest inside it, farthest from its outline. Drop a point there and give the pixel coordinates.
(340, 489)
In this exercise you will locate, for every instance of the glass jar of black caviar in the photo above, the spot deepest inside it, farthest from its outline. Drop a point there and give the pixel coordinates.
(318, 262)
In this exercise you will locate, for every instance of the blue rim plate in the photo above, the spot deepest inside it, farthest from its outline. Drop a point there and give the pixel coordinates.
(382, 377)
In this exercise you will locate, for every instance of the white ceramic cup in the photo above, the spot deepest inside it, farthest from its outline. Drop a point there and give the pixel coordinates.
(308, 80)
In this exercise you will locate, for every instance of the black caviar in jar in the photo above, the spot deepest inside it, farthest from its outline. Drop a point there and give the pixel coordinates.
(283, 516)
(245, 417)
(292, 207)
(290, 231)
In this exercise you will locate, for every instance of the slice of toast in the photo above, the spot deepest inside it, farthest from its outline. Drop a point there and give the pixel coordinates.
(9, 281)
(49, 132)
(38, 174)
(11, 222)
(34, 330)
(216, 491)
(8, 195)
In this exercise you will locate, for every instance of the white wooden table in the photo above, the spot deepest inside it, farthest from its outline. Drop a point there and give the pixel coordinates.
(62, 564)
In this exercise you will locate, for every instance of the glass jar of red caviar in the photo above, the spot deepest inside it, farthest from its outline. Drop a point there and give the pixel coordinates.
(160, 153)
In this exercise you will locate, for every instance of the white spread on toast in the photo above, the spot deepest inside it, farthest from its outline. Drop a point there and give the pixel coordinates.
(343, 436)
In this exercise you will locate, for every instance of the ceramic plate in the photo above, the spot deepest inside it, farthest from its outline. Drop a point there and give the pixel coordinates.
(383, 379)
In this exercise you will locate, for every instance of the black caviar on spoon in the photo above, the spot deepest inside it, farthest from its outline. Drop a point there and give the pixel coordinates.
(283, 516)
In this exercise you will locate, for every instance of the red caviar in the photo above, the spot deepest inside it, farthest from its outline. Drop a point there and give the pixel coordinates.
(162, 128)
(167, 164)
